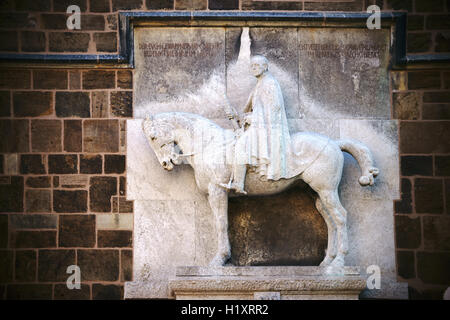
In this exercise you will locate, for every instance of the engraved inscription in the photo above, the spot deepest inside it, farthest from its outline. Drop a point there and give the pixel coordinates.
(200, 49)
(330, 50)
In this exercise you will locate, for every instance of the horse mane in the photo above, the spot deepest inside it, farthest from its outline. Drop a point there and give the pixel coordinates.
(184, 120)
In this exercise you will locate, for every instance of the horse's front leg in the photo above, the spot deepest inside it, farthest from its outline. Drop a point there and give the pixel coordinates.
(218, 201)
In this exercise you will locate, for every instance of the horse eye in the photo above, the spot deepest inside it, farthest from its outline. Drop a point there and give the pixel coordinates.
(153, 138)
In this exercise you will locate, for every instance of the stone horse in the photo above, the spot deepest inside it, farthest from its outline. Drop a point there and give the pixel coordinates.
(178, 138)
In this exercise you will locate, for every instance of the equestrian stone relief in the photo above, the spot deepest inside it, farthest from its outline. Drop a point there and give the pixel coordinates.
(259, 157)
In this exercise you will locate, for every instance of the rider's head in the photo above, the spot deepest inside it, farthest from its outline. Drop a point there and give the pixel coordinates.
(259, 65)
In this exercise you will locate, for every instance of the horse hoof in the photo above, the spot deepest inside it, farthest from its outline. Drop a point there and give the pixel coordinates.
(326, 262)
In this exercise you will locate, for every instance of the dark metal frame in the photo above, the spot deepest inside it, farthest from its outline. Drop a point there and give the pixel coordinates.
(128, 20)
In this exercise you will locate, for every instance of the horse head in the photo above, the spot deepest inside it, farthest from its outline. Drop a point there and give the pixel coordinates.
(161, 138)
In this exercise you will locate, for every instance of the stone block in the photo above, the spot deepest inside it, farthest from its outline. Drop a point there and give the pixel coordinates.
(418, 42)
(428, 195)
(33, 239)
(5, 104)
(6, 266)
(38, 182)
(11, 164)
(436, 233)
(68, 42)
(442, 42)
(106, 41)
(50, 79)
(70, 201)
(272, 5)
(434, 111)
(93, 263)
(416, 165)
(74, 80)
(424, 80)
(11, 195)
(53, 264)
(99, 6)
(405, 204)
(32, 104)
(93, 22)
(77, 231)
(101, 190)
(114, 163)
(32, 41)
(121, 103)
(8, 41)
(73, 139)
(125, 79)
(25, 266)
(424, 137)
(18, 136)
(107, 292)
(46, 135)
(61, 5)
(399, 80)
(223, 4)
(100, 104)
(72, 104)
(432, 267)
(405, 264)
(31, 5)
(430, 6)
(38, 201)
(126, 263)
(438, 22)
(91, 163)
(114, 238)
(33, 221)
(115, 221)
(191, 4)
(61, 292)
(3, 231)
(99, 79)
(101, 135)
(437, 96)
(63, 163)
(32, 163)
(442, 165)
(126, 4)
(29, 292)
(407, 105)
(73, 181)
(408, 232)
(15, 79)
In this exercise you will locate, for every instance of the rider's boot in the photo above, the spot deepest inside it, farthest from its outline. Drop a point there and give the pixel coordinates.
(238, 180)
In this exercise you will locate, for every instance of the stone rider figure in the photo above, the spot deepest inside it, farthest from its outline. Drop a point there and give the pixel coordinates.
(265, 141)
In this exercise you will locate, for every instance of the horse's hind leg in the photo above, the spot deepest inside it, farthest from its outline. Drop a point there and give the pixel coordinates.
(331, 247)
(330, 200)
(218, 201)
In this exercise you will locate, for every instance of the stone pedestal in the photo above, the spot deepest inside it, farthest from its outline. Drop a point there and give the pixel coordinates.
(265, 283)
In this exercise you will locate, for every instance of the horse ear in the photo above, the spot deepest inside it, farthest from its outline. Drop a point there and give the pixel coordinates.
(149, 118)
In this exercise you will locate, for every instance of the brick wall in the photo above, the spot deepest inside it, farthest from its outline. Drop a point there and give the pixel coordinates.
(62, 148)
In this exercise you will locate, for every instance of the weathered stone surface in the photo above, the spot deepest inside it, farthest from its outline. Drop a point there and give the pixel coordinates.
(126, 263)
(33, 221)
(72, 104)
(32, 41)
(63, 164)
(68, 42)
(29, 292)
(407, 105)
(432, 267)
(416, 165)
(277, 230)
(99, 79)
(17, 133)
(73, 139)
(38, 182)
(164, 70)
(93, 263)
(100, 192)
(114, 163)
(114, 238)
(124, 79)
(46, 135)
(107, 292)
(442, 165)
(99, 104)
(405, 262)
(106, 41)
(190, 4)
(63, 293)
(436, 233)
(74, 80)
(358, 73)
(53, 264)
(11, 164)
(73, 181)
(31, 163)
(11, 195)
(6, 266)
(399, 80)
(428, 194)
(101, 135)
(25, 266)
(50, 79)
(38, 201)
(408, 232)
(91, 163)
(121, 103)
(70, 201)
(77, 231)
(33, 239)
(32, 104)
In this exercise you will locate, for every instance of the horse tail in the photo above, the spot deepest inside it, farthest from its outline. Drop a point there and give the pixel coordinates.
(364, 157)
